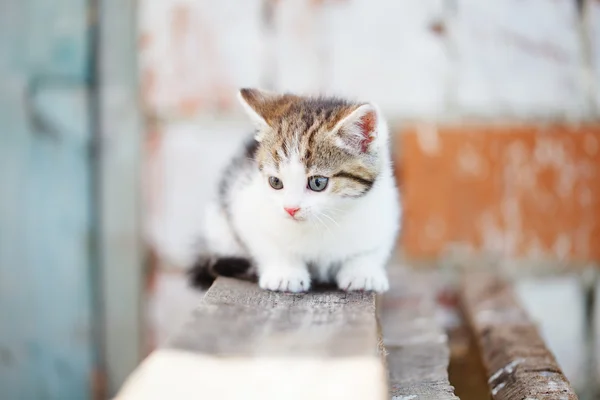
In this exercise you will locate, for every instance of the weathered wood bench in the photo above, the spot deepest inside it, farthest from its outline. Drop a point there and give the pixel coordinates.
(246, 343)
(516, 359)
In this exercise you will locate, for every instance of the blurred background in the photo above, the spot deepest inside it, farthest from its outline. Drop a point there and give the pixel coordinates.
(116, 116)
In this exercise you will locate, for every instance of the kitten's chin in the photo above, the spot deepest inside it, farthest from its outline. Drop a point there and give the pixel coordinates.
(296, 218)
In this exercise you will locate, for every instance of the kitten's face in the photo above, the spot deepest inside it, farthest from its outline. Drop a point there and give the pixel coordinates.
(315, 155)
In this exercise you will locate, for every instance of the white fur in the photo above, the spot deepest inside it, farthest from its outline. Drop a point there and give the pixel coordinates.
(356, 233)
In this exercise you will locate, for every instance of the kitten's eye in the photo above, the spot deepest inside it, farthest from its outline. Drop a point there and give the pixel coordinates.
(275, 183)
(317, 183)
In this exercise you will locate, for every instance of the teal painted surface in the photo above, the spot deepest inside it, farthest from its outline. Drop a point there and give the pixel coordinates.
(46, 346)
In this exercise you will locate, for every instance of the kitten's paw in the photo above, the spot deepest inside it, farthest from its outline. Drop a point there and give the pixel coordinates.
(293, 280)
(362, 279)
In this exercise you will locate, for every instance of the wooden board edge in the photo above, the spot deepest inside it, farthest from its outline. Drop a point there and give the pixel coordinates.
(517, 361)
(175, 374)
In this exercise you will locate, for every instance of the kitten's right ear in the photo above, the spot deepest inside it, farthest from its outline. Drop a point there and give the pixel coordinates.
(257, 104)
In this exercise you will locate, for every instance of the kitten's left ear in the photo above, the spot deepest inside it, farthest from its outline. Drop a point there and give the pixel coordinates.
(358, 131)
(259, 105)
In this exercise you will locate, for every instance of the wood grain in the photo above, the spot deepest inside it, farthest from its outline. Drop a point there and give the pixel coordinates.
(245, 320)
(417, 347)
(244, 342)
(518, 363)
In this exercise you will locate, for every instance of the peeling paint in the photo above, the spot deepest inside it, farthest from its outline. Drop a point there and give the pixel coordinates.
(591, 144)
(509, 66)
(470, 161)
(191, 61)
(539, 197)
(562, 246)
(499, 317)
(498, 388)
(507, 369)
(428, 139)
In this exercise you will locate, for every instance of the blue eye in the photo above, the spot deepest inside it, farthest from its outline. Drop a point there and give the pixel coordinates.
(317, 183)
(275, 183)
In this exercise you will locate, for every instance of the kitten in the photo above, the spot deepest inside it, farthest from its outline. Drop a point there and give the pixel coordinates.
(311, 197)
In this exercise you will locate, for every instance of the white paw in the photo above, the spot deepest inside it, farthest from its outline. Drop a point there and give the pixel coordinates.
(363, 279)
(293, 280)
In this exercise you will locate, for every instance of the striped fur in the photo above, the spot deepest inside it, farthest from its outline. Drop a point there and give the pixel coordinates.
(305, 126)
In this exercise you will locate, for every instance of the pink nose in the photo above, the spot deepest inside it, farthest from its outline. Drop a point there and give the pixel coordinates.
(291, 210)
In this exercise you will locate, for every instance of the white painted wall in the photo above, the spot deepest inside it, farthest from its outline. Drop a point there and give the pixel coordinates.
(390, 53)
(196, 53)
(518, 58)
(181, 178)
(418, 59)
(593, 35)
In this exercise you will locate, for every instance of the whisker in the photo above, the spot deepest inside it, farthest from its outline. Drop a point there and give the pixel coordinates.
(321, 221)
(336, 210)
(335, 213)
(330, 218)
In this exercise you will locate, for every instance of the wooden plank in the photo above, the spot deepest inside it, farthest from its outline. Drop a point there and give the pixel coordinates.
(244, 342)
(518, 363)
(594, 339)
(121, 256)
(466, 371)
(416, 345)
(550, 301)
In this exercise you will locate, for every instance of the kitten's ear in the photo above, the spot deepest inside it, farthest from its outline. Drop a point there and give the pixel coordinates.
(258, 105)
(357, 131)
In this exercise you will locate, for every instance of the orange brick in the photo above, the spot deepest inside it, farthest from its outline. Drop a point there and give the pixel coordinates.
(523, 191)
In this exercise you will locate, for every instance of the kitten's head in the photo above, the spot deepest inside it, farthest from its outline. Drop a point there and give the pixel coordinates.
(316, 154)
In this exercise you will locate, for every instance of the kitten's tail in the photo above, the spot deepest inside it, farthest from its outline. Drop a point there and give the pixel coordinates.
(206, 269)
